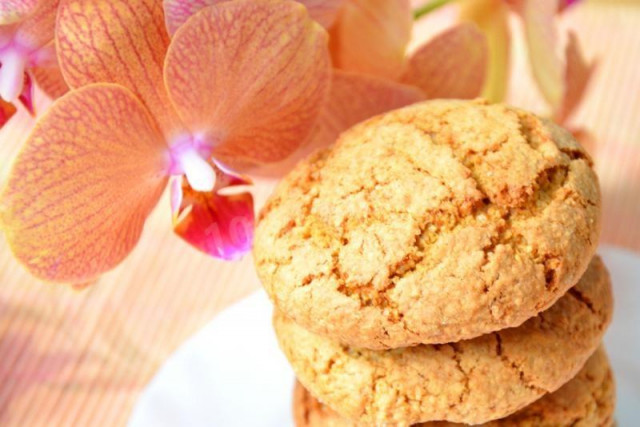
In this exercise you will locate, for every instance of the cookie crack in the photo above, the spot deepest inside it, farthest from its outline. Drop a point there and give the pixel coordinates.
(506, 235)
(457, 352)
(527, 130)
(577, 154)
(441, 181)
(515, 367)
(462, 160)
(583, 299)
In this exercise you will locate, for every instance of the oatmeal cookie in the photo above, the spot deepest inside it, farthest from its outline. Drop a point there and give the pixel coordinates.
(472, 381)
(588, 400)
(434, 223)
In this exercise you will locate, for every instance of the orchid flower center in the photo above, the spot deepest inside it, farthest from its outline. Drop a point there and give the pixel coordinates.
(190, 157)
(13, 61)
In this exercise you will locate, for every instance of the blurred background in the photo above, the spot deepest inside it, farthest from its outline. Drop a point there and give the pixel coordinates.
(82, 357)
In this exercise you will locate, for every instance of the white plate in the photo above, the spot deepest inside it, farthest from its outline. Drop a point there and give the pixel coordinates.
(231, 373)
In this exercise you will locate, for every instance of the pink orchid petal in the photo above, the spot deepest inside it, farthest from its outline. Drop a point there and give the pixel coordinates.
(542, 40)
(117, 41)
(451, 65)
(251, 75)
(576, 79)
(220, 225)
(83, 184)
(371, 37)
(14, 10)
(7, 110)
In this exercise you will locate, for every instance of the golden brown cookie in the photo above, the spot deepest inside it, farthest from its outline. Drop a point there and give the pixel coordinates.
(588, 400)
(433, 223)
(473, 381)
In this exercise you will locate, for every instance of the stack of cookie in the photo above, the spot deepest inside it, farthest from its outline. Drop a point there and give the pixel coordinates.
(437, 264)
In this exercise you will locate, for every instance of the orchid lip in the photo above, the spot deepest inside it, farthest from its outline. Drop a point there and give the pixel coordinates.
(189, 156)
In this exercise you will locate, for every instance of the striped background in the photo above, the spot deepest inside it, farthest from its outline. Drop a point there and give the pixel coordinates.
(81, 358)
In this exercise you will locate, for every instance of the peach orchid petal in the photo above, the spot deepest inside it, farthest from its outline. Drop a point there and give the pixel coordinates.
(251, 76)
(353, 98)
(451, 65)
(38, 29)
(50, 80)
(14, 10)
(7, 110)
(356, 97)
(117, 41)
(82, 186)
(324, 12)
(491, 17)
(540, 33)
(576, 79)
(218, 224)
(176, 12)
(371, 36)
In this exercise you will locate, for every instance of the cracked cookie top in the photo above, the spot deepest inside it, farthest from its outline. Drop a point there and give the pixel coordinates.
(587, 400)
(472, 381)
(434, 223)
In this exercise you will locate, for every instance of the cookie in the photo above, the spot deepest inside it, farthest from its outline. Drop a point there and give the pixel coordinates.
(588, 400)
(434, 223)
(472, 381)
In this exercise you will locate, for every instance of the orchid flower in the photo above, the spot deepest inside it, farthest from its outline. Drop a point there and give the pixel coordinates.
(240, 83)
(562, 83)
(372, 73)
(177, 12)
(27, 53)
(371, 37)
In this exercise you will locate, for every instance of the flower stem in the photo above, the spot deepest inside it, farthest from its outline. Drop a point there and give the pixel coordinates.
(428, 8)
